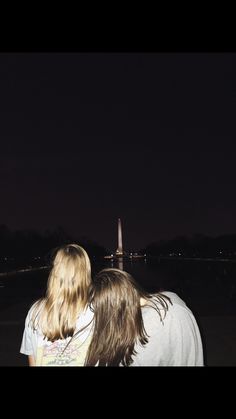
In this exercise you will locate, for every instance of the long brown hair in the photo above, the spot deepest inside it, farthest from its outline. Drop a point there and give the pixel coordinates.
(118, 323)
(67, 293)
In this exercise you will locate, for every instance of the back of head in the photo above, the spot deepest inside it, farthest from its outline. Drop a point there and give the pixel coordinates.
(70, 276)
(118, 323)
(67, 292)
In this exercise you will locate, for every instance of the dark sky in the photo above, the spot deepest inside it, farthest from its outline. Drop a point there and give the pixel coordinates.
(90, 137)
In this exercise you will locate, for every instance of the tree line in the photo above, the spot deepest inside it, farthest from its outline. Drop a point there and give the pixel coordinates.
(29, 247)
(198, 245)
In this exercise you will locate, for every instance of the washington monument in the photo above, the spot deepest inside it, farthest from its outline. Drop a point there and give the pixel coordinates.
(119, 251)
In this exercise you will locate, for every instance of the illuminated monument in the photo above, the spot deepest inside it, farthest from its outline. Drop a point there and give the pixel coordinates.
(120, 254)
(119, 251)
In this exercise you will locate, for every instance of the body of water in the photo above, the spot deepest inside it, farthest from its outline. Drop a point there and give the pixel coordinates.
(208, 288)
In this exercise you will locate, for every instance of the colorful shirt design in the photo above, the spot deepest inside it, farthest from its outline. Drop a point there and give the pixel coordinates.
(67, 353)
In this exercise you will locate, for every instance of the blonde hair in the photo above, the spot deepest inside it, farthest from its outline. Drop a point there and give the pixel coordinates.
(67, 293)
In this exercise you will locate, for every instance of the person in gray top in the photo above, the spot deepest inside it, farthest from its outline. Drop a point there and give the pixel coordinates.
(134, 328)
(58, 325)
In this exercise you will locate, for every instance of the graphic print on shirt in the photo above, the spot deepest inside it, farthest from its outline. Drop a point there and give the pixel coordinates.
(63, 353)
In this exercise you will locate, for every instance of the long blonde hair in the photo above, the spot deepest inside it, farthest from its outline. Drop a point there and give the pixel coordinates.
(118, 324)
(67, 293)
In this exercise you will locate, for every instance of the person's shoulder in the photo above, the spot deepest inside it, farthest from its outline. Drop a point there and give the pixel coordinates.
(174, 298)
(170, 306)
(156, 307)
(178, 310)
(32, 309)
(165, 300)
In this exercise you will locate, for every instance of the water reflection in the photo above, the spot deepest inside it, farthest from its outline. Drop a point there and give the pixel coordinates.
(116, 263)
(120, 264)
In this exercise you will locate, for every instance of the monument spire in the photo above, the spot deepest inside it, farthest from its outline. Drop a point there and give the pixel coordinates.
(119, 251)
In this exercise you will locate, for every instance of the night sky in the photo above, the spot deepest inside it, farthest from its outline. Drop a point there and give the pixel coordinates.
(147, 137)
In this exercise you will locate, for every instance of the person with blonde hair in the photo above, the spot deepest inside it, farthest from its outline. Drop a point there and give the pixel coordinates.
(58, 326)
(135, 328)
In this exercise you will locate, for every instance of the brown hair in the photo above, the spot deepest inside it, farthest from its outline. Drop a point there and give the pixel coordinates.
(118, 322)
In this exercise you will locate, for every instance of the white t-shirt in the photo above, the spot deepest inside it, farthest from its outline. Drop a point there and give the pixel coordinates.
(63, 352)
(175, 342)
